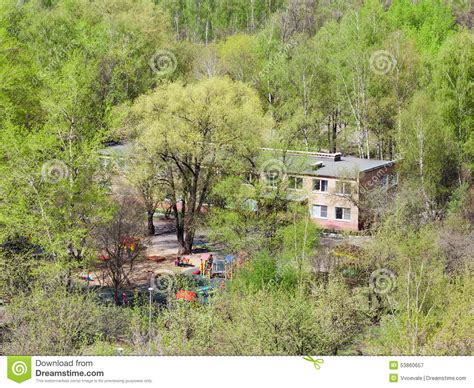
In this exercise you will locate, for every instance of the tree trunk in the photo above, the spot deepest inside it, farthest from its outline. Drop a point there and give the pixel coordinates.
(188, 242)
(151, 225)
(179, 225)
(329, 132)
(186, 245)
(188, 233)
(181, 241)
(179, 231)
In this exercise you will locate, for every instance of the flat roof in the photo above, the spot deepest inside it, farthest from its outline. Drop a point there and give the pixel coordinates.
(297, 162)
(115, 150)
(348, 167)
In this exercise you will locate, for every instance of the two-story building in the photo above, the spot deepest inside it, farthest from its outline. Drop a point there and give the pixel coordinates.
(333, 185)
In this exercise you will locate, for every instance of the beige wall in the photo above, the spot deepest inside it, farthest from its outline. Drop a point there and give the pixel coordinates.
(331, 200)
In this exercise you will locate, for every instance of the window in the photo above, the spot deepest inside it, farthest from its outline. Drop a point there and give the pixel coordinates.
(320, 185)
(320, 211)
(272, 179)
(343, 188)
(343, 213)
(295, 182)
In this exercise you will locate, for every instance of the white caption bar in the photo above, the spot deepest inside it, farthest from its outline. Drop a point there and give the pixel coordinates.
(273, 372)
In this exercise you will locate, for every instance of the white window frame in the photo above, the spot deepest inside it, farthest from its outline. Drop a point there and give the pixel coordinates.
(320, 185)
(313, 215)
(343, 185)
(344, 209)
(296, 178)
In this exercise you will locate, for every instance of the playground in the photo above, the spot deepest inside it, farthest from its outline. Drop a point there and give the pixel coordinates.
(208, 266)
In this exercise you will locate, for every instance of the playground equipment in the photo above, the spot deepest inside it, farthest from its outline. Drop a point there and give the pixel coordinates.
(200, 294)
(183, 262)
(87, 278)
(186, 295)
(131, 243)
(222, 268)
(215, 268)
(219, 269)
(205, 265)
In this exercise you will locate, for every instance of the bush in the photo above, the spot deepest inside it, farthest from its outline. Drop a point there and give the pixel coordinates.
(264, 322)
(59, 323)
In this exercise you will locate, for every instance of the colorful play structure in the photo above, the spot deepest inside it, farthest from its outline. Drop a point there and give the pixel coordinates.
(199, 295)
(216, 271)
(130, 242)
(87, 277)
(186, 295)
(183, 262)
(212, 268)
(127, 242)
(223, 268)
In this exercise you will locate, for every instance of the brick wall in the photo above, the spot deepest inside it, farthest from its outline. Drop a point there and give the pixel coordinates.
(369, 180)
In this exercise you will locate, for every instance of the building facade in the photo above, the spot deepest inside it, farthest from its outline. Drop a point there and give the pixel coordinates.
(333, 185)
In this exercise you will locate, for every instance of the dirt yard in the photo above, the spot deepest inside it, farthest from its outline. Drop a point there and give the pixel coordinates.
(163, 246)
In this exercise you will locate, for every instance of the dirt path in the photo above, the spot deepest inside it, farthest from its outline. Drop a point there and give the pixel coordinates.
(165, 244)
(330, 240)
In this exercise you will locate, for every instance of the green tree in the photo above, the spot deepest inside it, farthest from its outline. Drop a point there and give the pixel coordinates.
(429, 22)
(207, 20)
(427, 149)
(198, 132)
(239, 58)
(68, 63)
(422, 302)
(143, 174)
(453, 91)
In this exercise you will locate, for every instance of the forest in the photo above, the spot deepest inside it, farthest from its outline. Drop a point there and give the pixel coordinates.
(194, 90)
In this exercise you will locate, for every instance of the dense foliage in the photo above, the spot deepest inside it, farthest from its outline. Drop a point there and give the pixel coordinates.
(197, 87)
